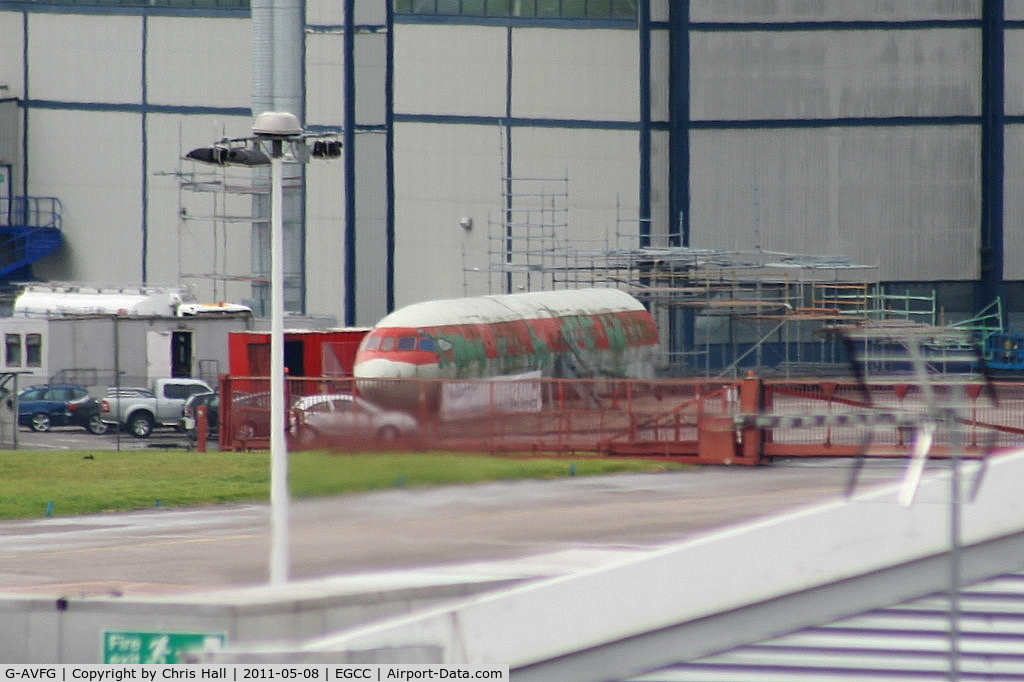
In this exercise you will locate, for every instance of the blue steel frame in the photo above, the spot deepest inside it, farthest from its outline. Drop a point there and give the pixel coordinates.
(992, 122)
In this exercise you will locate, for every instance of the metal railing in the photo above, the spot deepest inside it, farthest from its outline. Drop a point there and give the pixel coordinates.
(31, 212)
(703, 421)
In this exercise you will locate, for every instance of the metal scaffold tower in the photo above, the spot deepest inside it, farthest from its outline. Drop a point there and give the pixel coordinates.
(529, 238)
(223, 233)
(722, 312)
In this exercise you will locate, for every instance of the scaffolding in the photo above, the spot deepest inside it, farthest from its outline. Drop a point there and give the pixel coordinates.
(722, 312)
(224, 228)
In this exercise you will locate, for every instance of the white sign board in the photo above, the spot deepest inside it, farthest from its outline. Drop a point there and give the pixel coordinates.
(513, 393)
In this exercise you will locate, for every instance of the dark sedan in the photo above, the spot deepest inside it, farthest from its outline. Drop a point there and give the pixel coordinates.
(190, 412)
(42, 407)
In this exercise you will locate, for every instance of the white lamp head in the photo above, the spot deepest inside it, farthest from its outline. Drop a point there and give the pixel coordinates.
(277, 124)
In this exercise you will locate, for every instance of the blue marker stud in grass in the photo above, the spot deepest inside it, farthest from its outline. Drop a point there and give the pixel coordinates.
(49, 508)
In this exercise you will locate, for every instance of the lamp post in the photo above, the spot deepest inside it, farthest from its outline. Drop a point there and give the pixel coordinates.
(274, 134)
(276, 128)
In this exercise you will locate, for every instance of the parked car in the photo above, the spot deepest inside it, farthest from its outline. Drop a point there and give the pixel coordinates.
(140, 410)
(343, 415)
(189, 413)
(250, 416)
(42, 407)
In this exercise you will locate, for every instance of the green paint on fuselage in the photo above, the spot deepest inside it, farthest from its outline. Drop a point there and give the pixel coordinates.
(578, 330)
(615, 331)
(540, 352)
(466, 356)
(465, 353)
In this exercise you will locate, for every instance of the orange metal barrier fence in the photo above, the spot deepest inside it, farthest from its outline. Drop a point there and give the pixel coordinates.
(703, 421)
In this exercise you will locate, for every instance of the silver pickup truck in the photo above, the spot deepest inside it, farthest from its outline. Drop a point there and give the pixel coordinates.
(140, 410)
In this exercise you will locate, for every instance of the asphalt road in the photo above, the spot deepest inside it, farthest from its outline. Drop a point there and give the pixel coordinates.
(77, 438)
(167, 550)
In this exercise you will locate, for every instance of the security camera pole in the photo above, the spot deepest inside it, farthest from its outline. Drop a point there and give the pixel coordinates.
(274, 131)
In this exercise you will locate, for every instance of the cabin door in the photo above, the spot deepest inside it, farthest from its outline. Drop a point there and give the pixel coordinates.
(294, 360)
(181, 354)
(168, 354)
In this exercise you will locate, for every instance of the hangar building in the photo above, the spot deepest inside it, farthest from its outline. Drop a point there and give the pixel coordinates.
(489, 143)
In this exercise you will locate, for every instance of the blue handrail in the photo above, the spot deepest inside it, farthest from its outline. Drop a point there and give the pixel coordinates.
(31, 212)
(30, 228)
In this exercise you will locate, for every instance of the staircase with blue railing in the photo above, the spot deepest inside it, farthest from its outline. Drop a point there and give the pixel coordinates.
(30, 229)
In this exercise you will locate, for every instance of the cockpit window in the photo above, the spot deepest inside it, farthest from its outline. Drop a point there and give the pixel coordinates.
(372, 343)
(426, 343)
(407, 343)
(387, 343)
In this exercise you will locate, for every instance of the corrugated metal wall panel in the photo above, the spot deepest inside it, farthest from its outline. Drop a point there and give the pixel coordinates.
(324, 75)
(1014, 91)
(1014, 9)
(834, 10)
(445, 173)
(602, 167)
(101, 200)
(596, 77)
(450, 70)
(905, 198)
(175, 45)
(1013, 201)
(832, 74)
(662, 223)
(1013, 205)
(12, 65)
(660, 9)
(325, 239)
(371, 234)
(85, 58)
(10, 144)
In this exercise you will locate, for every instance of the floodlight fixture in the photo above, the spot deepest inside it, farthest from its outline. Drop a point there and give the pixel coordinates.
(248, 156)
(326, 149)
(216, 155)
(220, 155)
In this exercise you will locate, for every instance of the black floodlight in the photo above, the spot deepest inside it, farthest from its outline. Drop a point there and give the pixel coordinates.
(214, 155)
(235, 156)
(326, 149)
(248, 156)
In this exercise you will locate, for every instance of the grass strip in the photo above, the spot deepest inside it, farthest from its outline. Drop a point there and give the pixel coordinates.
(36, 484)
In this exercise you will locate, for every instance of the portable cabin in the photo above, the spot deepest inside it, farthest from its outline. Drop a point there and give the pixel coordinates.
(129, 336)
(307, 352)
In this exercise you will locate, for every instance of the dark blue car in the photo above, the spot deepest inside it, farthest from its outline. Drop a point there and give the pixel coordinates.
(43, 407)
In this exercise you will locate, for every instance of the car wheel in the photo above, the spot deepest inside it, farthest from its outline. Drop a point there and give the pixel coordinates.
(140, 425)
(246, 431)
(305, 436)
(97, 426)
(388, 433)
(40, 422)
